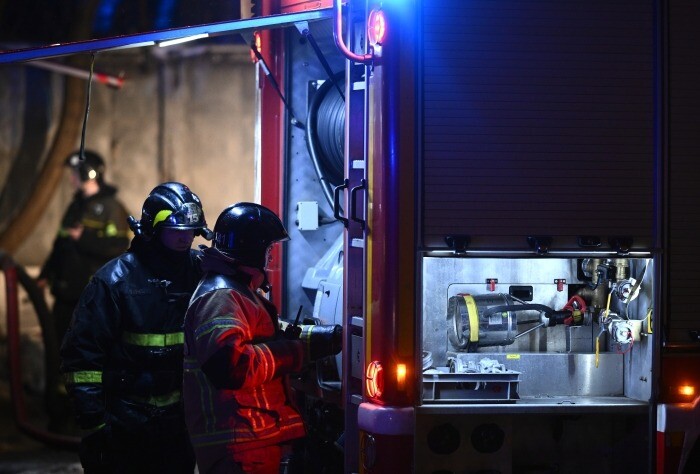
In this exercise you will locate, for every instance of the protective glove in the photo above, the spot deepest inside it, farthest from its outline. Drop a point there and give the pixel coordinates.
(291, 332)
(321, 340)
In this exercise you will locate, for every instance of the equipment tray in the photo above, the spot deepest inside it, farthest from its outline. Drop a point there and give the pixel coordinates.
(441, 385)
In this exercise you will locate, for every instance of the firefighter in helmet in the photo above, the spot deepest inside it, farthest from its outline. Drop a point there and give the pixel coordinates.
(93, 231)
(236, 357)
(122, 355)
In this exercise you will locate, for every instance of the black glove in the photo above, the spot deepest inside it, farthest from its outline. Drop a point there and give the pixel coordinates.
(321, 341)
(292, 332)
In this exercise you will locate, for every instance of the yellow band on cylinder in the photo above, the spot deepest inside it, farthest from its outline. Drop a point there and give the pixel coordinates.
(473, 314)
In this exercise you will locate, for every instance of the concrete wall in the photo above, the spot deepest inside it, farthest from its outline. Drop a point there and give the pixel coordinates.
(184, 114)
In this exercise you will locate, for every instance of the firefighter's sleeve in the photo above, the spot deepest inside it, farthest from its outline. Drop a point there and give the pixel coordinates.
(228, 355)
(85, 349)
(108, 236)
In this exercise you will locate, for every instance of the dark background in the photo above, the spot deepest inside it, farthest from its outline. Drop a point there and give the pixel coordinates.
(30, 23)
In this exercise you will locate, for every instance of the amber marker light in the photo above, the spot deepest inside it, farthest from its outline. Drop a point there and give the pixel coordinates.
(376, 27)
(401, 376)
(257, 41)
(374, 379)
(686, 390)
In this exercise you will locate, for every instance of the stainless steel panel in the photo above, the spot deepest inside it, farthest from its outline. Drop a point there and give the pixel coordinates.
(580, 339)
(555, 375)
(445, 277)
(557, 361)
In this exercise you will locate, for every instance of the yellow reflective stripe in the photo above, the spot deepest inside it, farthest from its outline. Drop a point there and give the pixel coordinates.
(108, 229)
(473, 318)
(104, 229)
(92, 224)
(154, 340)
(111, 229)
(161, 216)
(86, 376)
(305, 336)
(159, 400)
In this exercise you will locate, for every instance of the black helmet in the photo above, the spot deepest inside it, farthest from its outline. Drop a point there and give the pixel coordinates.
(170, 205)
(245, 230)
(91, 166)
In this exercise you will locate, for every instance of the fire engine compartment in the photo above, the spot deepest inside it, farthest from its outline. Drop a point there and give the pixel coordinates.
(545, 333)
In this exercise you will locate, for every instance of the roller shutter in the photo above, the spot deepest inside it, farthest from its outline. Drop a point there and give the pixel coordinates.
(538, 120)
(683, 257)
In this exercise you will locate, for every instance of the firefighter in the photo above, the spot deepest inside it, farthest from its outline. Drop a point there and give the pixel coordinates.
(93, 231)
(122, 355)
(237, 405)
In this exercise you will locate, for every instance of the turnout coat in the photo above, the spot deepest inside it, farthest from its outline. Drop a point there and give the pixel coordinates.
(235, 392)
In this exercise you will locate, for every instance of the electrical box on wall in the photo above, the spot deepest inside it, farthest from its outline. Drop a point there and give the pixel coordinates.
(307, 215)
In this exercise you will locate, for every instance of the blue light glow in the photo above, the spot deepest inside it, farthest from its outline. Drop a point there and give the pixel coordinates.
(105, 15)
(165, 15)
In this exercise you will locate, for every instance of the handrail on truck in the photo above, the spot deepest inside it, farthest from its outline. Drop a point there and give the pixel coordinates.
(338, 36)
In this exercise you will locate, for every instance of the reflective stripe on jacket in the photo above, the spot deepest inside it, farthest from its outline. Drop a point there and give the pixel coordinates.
(234, 387)
(105, 236)
(122, 355)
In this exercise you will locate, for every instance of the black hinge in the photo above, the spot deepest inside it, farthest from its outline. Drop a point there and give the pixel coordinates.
(541, 244)
(458, 243)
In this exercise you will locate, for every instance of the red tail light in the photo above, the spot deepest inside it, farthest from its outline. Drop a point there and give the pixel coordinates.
(376, 27)
(374, 379)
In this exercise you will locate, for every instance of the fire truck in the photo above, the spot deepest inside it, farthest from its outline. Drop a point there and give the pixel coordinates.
(497, 200)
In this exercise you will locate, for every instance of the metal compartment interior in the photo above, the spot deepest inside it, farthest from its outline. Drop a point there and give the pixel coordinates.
(576, 331)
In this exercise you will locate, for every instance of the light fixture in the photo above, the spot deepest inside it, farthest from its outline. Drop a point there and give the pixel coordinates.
(166, 43)
(256, 46)
(686, 390)
(401, 376)
(374, 379)
(376, 27)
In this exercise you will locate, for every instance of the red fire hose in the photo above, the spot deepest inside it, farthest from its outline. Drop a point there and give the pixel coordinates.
(15, 365)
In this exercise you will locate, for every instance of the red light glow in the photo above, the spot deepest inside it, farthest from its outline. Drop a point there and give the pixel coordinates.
(376, 27)
(374, 379)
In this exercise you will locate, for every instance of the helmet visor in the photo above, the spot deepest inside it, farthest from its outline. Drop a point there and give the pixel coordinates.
(188, 216)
